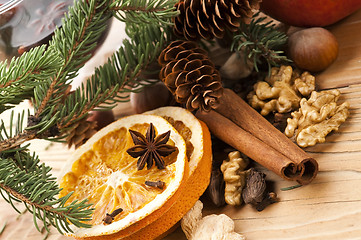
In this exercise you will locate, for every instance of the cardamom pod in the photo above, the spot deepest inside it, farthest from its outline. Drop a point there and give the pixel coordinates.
(254, 191)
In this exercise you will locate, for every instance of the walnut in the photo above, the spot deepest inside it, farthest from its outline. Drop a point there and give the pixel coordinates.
(234, 177)
(215, 227)
(317, 117)
(282, 91)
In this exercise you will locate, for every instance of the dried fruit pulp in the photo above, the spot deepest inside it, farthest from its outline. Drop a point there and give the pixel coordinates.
(107, 176)
(196, 178)
(196, 184)
(199, 152)
(184, 131)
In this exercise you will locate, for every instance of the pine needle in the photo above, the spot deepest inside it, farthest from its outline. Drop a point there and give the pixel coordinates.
(291, 187)
(3, 228)
(261, 41)
(21, 214)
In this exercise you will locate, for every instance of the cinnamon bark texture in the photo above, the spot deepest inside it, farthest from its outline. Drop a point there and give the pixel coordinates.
(242, 127)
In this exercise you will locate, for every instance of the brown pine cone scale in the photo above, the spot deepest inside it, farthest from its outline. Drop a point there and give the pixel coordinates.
(211, 18)
(81, 132)
(190, 75)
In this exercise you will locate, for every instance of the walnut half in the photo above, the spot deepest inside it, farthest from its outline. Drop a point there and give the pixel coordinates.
(317, 117)
(234, 177)
(282, 91)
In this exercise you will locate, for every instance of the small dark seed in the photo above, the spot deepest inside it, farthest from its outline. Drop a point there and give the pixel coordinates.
(108, 219)
(158, 184)
(268, 200)
(116, 212)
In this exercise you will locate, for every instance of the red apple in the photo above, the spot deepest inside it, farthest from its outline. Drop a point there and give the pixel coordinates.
(309, 13)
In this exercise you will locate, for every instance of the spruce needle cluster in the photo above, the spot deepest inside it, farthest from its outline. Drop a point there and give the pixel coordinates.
(261, 41)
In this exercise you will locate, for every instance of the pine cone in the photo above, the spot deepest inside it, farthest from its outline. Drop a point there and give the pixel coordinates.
(81, 132)
(207, 19)
(190, 75)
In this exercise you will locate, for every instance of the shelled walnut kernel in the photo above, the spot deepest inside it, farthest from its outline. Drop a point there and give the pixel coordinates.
(234, 177)
(282, 91)
(317, 117)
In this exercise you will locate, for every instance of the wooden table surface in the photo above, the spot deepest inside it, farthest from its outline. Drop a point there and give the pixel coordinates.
(328, 208)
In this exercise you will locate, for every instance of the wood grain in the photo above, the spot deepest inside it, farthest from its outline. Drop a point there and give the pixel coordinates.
(328, 208)
(345, 71)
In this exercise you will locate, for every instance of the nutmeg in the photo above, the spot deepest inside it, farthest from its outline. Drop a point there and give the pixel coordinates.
(236, 67)
(102, 118)
(312, 49)
(151, 97)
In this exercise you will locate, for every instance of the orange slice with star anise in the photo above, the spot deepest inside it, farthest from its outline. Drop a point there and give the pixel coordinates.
(126, 195)
(199, 153)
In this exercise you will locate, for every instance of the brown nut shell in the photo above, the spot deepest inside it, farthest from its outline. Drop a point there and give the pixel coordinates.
(313, 49)
(151, 97)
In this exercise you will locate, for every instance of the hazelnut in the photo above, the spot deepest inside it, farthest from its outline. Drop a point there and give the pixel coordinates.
(312, 49)
(102, 118)
(151, 97)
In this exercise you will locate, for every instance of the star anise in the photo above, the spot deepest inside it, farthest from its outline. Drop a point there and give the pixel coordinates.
(150, 148)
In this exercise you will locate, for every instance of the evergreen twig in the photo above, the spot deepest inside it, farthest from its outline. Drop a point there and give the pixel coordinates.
(24, 179)
(57, 110)
(22, 74)
(73, 44)
(110, 84)
(145, 11)
(261, 41)
(12, 136)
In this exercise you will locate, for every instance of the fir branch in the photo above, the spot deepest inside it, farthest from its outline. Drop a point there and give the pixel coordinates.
(23, 179)
(75, 41)
(261, 40)
(16, 141)
(83, 27)
(145, 11)
(57, 110)
(74, 44)
(22, 74)
(113, 82)
(13, 135)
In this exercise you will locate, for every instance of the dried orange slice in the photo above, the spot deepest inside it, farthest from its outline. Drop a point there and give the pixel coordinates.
(196, 136)
(199, 152)
(108, 177)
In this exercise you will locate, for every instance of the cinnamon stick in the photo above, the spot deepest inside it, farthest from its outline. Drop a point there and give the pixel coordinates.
(232, 134)
(301, 167)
